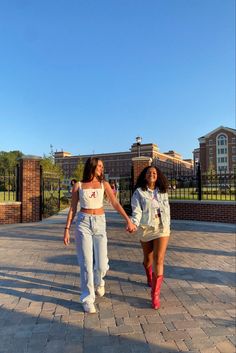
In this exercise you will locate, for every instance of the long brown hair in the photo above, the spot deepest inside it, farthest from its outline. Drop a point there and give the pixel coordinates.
(89, 170)
(161, 183)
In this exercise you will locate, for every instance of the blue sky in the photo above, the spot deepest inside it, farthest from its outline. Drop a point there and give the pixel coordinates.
(89, 76)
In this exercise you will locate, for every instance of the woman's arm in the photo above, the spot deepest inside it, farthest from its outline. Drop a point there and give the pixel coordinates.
(117, 206)
(167, 205)
(71, 213)
(136, 208)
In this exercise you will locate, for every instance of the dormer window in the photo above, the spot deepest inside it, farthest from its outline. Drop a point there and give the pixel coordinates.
(222, 140)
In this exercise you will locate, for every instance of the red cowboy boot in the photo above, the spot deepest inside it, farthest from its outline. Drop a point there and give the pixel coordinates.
(148, 271)
(156, 290)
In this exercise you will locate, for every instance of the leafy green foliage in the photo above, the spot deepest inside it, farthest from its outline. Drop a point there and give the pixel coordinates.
(8, 160)
(48, 166)
(78, 171)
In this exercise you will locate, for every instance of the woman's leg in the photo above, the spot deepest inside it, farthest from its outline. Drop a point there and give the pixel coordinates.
(100, 250)
(147, 253)
(159, 251)
(84, 248)
(160, 246)
(148, 260)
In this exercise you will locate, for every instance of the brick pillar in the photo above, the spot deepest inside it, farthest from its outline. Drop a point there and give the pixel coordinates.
(139, 163)
(30, 189)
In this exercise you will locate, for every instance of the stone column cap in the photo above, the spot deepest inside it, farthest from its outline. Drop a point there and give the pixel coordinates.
(142, 158)
(30, 156)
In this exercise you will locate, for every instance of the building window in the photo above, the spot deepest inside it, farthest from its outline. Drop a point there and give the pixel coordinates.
(222, 152)
(211, 150)
(210, 142)
(222, 169)
(233, 150)
(222, 140)
(233, 140)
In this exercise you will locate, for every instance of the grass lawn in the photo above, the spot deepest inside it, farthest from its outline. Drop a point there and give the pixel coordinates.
(4, 197)
(178, 194)
(11, 196)
(214, 194)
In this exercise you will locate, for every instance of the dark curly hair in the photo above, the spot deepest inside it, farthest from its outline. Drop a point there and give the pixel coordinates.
(161, 183)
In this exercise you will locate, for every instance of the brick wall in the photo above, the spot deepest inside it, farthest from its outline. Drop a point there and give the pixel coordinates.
(30, 189)
(29, 207)
(208, 211)
(10, 212)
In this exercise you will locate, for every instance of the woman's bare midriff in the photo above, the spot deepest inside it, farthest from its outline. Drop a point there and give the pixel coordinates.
(97, 211)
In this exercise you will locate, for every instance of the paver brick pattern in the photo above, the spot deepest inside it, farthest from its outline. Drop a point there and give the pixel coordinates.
(39, 292)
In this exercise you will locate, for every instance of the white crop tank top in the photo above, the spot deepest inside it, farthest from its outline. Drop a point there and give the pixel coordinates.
(91, 198)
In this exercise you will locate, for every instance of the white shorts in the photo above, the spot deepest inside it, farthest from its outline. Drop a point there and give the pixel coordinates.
(147, 233)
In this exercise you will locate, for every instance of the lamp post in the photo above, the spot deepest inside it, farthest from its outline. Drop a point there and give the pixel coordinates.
(199, 179)
(138, 141)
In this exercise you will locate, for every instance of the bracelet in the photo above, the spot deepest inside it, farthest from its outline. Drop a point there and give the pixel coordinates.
(67, 228)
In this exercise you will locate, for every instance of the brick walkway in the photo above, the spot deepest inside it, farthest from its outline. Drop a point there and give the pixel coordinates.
(39, 293)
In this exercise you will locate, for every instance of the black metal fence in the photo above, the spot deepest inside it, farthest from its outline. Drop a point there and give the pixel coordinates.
(209, 186)
(50, 194)
(9, 189)
(125, 192)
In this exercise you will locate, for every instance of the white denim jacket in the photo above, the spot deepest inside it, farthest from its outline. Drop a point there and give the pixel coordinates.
(143, 212)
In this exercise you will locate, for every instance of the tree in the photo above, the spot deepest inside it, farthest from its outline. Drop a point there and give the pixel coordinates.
(78, 171)
(9, 160)
(211, 169)
(48, 166)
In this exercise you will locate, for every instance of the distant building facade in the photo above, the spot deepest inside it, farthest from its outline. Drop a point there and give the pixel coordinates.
(217, 151)
(119, 164)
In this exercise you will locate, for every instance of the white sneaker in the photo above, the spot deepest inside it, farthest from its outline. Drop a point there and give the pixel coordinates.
(100, 291)
(89, 308)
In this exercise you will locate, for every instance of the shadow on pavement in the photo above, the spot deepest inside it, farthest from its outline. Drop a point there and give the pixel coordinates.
(39, 237)
(131, 267)
(81, 335)
(182, 249)
(200, 251)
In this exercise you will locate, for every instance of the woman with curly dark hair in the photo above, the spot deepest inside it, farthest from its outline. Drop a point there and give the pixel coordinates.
(151, 214)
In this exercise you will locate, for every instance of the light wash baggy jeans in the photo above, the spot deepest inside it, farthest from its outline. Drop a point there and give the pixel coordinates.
(91, 247)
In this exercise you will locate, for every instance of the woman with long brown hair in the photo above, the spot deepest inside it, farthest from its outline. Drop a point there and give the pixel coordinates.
(90, 234)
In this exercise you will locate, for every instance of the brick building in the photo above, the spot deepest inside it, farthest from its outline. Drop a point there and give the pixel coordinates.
(217, 151)
(118, 164)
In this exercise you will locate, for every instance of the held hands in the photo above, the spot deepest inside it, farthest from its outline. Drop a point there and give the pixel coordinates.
(131, 228)
(66, 237)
